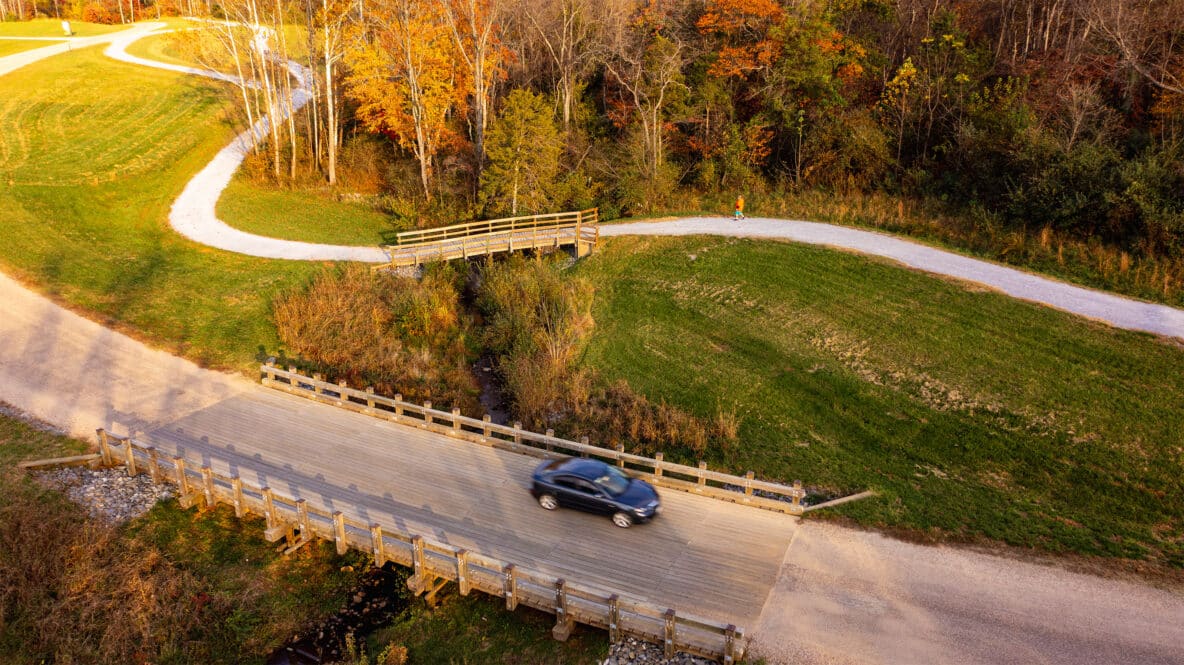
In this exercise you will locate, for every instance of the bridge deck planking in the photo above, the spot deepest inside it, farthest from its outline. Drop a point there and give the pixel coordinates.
(705, 557)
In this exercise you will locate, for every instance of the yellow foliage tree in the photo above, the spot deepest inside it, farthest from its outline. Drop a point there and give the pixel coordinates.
(403, 77)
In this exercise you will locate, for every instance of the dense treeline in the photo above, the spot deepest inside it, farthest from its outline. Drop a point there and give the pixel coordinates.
(1056, 115)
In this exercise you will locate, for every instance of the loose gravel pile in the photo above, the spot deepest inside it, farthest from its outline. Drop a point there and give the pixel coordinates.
(109, 494)
(635, 652)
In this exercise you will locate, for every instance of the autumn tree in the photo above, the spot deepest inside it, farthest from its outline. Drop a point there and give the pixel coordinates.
(645, 63)
(329, 24)
(569, 31)
(524, 148)
(475, 26)
(402, 76)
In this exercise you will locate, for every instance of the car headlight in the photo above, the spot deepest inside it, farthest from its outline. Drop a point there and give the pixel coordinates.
(640, 511)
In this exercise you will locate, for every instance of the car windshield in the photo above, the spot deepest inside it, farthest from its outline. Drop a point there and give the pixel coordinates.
(614, 481)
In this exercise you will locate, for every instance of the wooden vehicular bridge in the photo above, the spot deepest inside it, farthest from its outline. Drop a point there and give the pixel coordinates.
(579, 230)
(446, 495)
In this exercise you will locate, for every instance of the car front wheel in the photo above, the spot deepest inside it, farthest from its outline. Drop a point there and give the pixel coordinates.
(548, 501)
(623, 520)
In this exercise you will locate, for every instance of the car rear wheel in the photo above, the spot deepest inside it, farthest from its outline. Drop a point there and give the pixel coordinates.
(548, 501)
(622, 520)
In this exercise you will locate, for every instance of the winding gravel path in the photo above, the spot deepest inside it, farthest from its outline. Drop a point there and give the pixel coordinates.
(843, 596)
(193, 215)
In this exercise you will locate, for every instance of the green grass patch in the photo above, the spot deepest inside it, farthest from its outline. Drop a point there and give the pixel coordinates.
(86, 183)
(303, 215)
(10, 46)
(52, 27)
(162, 48)
(975, 416)
(478, 629)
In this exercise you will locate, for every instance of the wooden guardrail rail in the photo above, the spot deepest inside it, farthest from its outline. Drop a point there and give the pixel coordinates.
(433, 563)
(744, 489)
(578, 228)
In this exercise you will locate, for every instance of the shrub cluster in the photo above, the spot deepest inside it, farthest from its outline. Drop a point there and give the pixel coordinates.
(397, 334)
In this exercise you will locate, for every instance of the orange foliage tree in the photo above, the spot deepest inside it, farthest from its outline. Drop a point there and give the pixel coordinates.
(404, 80)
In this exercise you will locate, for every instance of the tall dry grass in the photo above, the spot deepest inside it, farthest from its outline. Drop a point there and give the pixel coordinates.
(537, 320)
(397, 334)
(73, 591)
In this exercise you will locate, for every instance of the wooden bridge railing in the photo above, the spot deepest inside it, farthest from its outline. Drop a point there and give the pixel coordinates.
(579, 229)
(526, 222)
(432, 563)
(699, 479)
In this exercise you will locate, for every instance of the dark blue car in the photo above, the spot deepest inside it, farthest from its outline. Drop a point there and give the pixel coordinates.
(594, 486)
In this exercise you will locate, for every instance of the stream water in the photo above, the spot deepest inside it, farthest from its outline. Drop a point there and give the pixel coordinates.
(379, 597)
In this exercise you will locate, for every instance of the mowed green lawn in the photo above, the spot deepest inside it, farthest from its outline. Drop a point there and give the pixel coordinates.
(87, 176)
(972, 414)
(10, 46)
(52, 27)
(302, 215)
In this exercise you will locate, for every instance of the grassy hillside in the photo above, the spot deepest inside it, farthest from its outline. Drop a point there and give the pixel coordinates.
(301, 215)
(90, 173)
(49, 27)
(974, 415)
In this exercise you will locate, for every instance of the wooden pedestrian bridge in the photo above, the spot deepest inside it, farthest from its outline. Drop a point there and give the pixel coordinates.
(447, 495)
(579, 230)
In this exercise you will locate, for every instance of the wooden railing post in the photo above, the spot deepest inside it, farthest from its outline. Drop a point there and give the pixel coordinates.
(620, 455)
(485, 420)
(398, 406)
(377, 546)
(748, 483)
(236, 486)
(456, 421)
(730, 645)
(462, 572)
(668, 641)
(369, 399)
(563, 621)
(797, 495)
(269, 508)
(614, 619)
(517, 434)
(105, 447)
(207, 481)
(316, 383)
(182, 482)
(702, 476)
(658, 457)
(341, 396)
(154, 465)
(419, 577)
(302, 520)
(510, 586)
(550, 433)
(339, 532)
(427, 416)
(130, 456)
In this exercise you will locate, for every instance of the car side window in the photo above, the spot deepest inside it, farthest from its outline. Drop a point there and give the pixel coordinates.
(567, 482)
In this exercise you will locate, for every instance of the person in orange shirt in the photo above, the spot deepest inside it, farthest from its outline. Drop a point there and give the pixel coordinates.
(739, 207)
